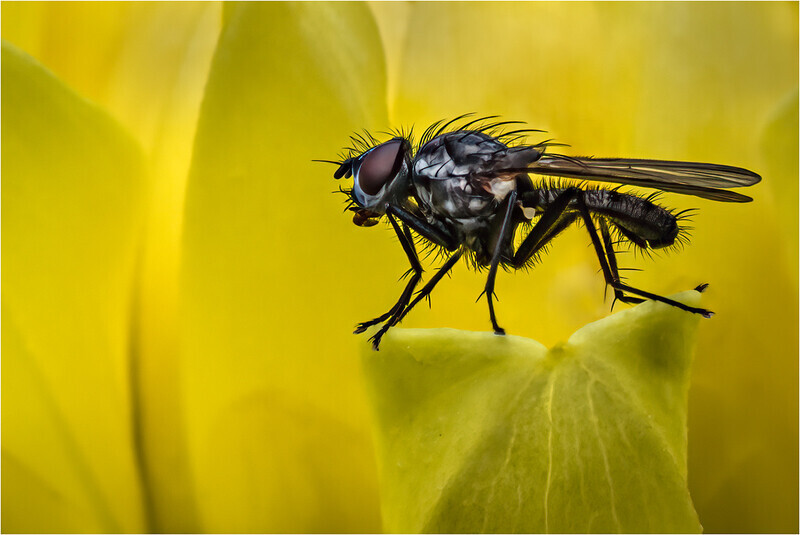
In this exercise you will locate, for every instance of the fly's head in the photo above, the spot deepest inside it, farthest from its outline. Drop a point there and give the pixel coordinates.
(380, 177)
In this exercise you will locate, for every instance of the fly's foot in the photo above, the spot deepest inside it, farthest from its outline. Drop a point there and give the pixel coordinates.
(499, 331)
(376, 338)
(628, 299)
(702, 311)
(361, 327)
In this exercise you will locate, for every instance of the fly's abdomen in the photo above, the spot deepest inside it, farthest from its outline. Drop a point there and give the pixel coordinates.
(638, 220)
(642, 222)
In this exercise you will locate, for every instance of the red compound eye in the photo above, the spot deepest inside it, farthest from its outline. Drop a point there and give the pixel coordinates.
(380, 165)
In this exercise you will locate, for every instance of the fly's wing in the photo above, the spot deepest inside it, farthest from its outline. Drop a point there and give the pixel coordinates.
(705, 180)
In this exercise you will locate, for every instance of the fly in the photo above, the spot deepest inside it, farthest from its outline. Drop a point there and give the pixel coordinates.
(467, 190)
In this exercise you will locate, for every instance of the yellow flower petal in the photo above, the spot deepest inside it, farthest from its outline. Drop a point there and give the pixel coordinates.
(78, 41)
(277, 419)
(72, 221)
(484, 434)
(147, 63)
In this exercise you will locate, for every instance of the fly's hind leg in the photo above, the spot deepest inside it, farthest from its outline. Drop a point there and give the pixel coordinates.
(613, 279)
(619, 295)
(608, 243)
(558, 215)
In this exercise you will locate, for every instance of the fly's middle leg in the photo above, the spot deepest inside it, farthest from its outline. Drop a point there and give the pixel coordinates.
(505, 229)
(556, 217)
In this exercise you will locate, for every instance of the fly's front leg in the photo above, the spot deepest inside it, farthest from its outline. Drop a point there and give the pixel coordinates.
(615, 283)
(434, 231)
(416, 274)
(428, 288)
(424, 292)
(361, 327)
(498, 249)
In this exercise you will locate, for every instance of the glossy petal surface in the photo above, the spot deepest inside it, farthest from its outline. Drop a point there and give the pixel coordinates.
(480, 433)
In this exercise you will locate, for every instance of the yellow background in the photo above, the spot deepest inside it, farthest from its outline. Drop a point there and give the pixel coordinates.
(212, 384)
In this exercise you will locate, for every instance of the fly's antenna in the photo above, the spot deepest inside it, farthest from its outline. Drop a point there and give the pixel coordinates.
(345, 168)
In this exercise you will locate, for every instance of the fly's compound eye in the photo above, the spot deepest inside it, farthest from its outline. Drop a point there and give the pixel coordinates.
(380, 165)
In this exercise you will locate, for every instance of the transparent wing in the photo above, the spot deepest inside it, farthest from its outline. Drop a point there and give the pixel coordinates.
(705, 180)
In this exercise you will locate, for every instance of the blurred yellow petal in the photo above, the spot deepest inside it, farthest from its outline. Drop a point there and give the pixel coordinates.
(72, 220)
(147, 63)
(156, 91)
(79, 41)
(277, 419)
(778, 144)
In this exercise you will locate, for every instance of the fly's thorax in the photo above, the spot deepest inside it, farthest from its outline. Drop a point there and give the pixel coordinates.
(458, 154)
(459, 175)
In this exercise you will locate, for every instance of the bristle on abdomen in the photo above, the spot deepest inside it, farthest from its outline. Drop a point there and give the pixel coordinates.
(642, 222)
